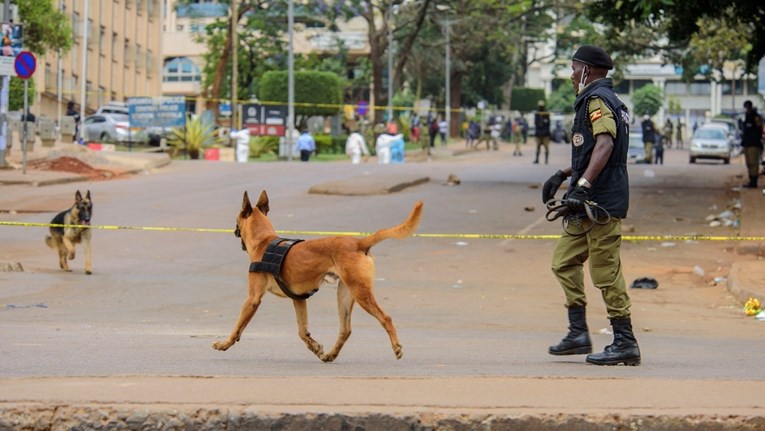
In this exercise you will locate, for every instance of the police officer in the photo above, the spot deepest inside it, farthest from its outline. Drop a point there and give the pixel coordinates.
(598, 173)
(751, 140)
(542, 126)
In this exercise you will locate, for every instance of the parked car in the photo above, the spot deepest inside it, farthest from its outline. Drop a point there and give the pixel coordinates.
(636, 148)
(113, 108)
(711, 141)
(110, 127)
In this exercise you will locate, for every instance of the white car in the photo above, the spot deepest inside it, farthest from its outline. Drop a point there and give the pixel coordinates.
(711, 141)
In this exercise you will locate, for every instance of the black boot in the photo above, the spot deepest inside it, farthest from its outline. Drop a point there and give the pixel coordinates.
(752, 182)
(577, 341)
(624, 348)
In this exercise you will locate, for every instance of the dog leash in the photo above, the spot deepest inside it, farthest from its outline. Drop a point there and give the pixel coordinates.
(559, 209)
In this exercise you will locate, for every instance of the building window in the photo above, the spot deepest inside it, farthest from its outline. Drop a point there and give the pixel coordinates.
(700, 88)
(676, 88)
(727, 86)
(180, 69)
(637, 84)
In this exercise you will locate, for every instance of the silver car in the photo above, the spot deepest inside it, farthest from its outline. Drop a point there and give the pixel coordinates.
(110, 127)
(711, 141)
(636, 150)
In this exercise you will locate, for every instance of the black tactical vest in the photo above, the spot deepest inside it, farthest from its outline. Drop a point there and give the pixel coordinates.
(611, 188)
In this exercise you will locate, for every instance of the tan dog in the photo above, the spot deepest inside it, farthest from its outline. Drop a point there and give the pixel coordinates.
(63, 239)
(303, 271)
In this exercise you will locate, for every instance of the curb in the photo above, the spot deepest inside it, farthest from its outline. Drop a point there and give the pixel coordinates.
(72, 417)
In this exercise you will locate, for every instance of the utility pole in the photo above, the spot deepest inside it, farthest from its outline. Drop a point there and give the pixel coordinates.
(4, 94)
(290, 80)
(448, 109)
(84, 74)
(389, 23)
(234, 77)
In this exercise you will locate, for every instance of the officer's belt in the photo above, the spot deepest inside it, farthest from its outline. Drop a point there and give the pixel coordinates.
(271, 263)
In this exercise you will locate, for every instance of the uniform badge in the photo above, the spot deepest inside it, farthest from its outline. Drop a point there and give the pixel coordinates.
(595, 115)
(577, 139)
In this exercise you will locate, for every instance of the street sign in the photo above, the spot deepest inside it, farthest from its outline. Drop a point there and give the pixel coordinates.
(362, 108)
(25, 64)
(6, 66)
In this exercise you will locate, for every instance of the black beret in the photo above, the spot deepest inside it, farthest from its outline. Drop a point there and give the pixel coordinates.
(594, 56)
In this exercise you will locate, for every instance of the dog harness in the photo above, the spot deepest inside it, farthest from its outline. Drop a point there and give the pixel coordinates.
(275, 253)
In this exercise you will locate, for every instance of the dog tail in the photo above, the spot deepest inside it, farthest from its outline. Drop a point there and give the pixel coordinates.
(405, 229)
(49, 241)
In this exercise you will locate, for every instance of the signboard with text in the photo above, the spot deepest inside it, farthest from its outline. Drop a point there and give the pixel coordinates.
(264, 120)
(157, 111)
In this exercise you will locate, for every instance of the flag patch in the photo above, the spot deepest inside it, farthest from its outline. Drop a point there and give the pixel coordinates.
(594, 115)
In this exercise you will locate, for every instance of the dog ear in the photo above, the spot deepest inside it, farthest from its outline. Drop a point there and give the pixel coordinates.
(87, 196)
(77, 196)
(246, 206)
(262, 204)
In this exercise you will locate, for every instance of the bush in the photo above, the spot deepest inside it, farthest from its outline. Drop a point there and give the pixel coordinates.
(263, 145)
(328, 144)
(526, 99)
(316, 93)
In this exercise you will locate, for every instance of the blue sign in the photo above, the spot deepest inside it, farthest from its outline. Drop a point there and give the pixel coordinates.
(362, 108)
(157, 111)
(25, 64)
(224, 109)
(761, 77)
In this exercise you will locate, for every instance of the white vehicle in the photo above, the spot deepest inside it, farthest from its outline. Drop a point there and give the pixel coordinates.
(711, 141)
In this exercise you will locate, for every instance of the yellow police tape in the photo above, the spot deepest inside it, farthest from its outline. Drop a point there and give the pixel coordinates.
(420, 235)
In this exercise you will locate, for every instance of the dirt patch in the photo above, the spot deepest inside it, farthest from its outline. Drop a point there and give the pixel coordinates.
(73, 165)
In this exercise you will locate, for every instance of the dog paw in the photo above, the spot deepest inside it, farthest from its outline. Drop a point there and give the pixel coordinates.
(327, 358)
(88, 272)
(222, 346)
(398, 351)
(71, 256)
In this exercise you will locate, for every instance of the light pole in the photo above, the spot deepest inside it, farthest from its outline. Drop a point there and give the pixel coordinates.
(290, 80)
(390, 64)
(448, 111)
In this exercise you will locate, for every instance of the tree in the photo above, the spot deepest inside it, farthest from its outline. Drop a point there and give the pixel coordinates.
(45, 27)
(675, 23)
(16, 94)
(647, 100)
(404, 19)
(316, 93)
(562, 98)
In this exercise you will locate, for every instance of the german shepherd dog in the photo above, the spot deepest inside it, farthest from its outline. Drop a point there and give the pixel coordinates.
(303, 271)
(63, 239)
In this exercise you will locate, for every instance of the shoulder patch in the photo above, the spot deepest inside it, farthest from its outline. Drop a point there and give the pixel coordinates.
(595, 115)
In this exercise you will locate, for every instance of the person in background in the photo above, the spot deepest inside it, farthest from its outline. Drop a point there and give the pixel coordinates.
(443, 130)
(649, 137)
(71, 112)
(356, 147)
(384, 143)
(679, 133)
(306, 145)
(668, 129)
(542, 125)
(751, 140)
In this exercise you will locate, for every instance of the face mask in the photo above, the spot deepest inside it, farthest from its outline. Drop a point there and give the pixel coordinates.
(585, 72)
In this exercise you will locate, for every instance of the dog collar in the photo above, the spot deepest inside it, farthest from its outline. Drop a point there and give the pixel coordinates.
(271, 263)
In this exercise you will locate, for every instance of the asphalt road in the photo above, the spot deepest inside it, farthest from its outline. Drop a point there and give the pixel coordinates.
(464, 307)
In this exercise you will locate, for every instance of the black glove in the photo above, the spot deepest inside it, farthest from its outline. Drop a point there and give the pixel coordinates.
(576, 197)
(552, 185)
